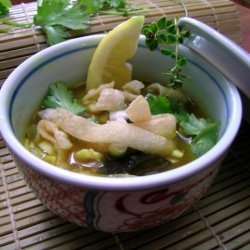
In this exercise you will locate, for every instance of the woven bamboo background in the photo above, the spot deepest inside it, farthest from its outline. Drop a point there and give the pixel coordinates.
(221, 220)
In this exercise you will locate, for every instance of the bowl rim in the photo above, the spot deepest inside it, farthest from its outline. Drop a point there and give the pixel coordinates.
(110, 183)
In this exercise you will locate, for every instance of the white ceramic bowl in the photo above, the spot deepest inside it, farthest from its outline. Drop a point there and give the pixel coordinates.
(134, 202)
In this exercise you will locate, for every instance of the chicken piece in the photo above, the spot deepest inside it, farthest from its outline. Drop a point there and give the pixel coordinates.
(157, 89)
(93, 94)
(139, 110)
(129, 97)
(109, 100)
(163, 125)
(133, 87)
(51, 132)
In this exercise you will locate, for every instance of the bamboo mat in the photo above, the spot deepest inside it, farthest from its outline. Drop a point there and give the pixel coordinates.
(221, 220)
(21, 43)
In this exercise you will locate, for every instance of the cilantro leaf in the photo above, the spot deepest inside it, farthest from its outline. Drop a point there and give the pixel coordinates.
(91, 6)
(109, 7)
(59, 96)
(204, 133)
(205, 140)
(178, 109)
(4, 7)
(120, 7)
(116, 4)
(158, 104)
(57, 16)
(161, 105)
(55, 34)
(193, 126)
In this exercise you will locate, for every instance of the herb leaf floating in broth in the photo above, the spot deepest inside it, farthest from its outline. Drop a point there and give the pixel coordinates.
(203, 131)
(158, 104)
(59, 96)
(161, 104)
(205, 140)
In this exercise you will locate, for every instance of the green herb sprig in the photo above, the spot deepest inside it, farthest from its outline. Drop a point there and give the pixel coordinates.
(110, 7)
(4, 7)
(59, 18)
(15, 24)
(159, 35)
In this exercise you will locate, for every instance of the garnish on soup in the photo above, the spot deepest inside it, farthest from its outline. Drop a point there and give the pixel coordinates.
(111, 126)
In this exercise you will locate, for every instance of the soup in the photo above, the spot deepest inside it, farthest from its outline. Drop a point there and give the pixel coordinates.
(113, 125)
(139, 129)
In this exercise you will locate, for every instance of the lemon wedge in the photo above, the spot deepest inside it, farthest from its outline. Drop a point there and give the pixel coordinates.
(109, 62)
